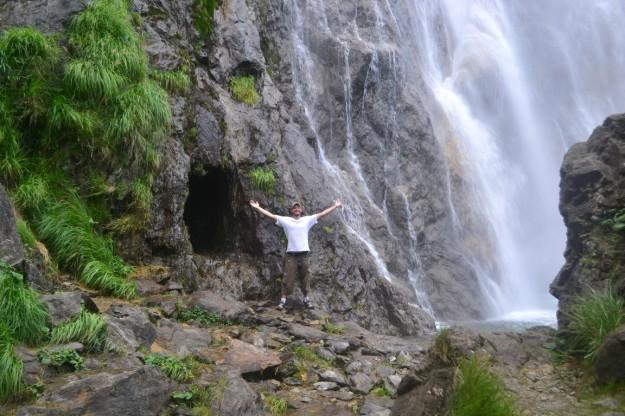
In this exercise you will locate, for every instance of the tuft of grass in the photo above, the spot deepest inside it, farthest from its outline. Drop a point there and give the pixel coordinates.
(87, 328)
(443, 350)
(11, 368)
(243, 89)
(479, 391)
(20, 309)
(203, 11)
(65, 359)
(275, 405)
(592, 318)
(306, 354)
(174, 368)
(203, 317)
(263, 179)
(173, 81)
(332, 328)
(26, 234)
(381, 391)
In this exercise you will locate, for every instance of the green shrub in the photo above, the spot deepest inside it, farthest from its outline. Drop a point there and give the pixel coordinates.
(66, 359)
(275, 405)
(88, 328)
(203, 317)
(20, 309)
(592, 318)
(243, 89)
(381, 391)
(203, 11)
(174, 368)
(443, 349)
(263, 179)
(479, 392)
(11, 368)
(26, 234)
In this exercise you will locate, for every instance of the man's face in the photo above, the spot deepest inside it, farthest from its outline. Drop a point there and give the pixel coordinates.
(296, 211)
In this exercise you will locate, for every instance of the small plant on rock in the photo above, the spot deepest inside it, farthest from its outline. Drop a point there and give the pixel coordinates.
(275, 405)
(263, 179)
(202, 317)
(62, 359)
(88, 328)
(332, 328)
(443, 350)
(243, 89)
(174, 368)
(381, 391)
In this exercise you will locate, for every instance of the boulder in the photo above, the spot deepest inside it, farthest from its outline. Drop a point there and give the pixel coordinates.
(63, 306)
(182, 339)
(247, 358)
(610, 361)
(11, 249)
(140, 391)
(129, 327)
(224, 306)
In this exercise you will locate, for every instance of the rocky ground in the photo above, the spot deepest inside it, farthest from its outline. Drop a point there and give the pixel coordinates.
(256, 355)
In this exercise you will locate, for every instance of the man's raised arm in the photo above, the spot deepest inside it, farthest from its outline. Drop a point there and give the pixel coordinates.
(257, 207)
(328, 210)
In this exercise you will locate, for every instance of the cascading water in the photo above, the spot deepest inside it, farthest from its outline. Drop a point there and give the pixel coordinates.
(507, 87)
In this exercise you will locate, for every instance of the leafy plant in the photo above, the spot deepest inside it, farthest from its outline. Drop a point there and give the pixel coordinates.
(172, 367)
(182, 397)
(275, 405)
(87, 328)
(11, 368)
(592, 318)
(381, 391)
(243, 89)
(617, 222)
(479, 392)
(20, 309)
(263, 179)
(331, 328)
(203, 317)
(62, 359)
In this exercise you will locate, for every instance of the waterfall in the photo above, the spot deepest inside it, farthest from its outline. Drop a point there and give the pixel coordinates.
(506, 87)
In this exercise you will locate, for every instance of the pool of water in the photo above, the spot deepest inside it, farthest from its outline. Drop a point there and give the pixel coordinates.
(515, 321)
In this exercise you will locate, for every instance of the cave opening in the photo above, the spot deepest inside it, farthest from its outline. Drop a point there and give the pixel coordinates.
(208, 211)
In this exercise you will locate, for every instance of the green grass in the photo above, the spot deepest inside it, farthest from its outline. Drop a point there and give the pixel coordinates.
(173, 81)
(307, 355)
(243, 89)
(20, 309)
(592, 318)
(174, 368)
(11, 368)
(381, 391)
(202, 317)
(479, 392)
(203, 11)
(275, 405)
(65, 359)
(87, 328)
(263, 179)
(26, 234)
(332, 328)
(443, 350)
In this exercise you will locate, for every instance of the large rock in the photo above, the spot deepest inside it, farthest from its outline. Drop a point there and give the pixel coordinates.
(47, 15)
(64, 306)
(610, 362)
(142, 391)
(11, 249)
(182, 339)
(247, 358)
(129, 327)
(224, 306)
(592, 191)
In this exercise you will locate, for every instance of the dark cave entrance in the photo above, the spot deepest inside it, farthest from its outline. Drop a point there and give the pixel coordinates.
(208, 212)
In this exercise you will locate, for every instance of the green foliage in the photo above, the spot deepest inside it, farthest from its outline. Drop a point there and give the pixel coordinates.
(203, 11)
(592, 318)
(243, 89)
(202, 317)
(26, 234)
(87, 328)
(443, 349)
(331, 328)
(174, 368)
(381, 391)
(182, 397)
(11, 368)
(275, 405)
(307, 355)
(263, 179)
(172, 81)
(617, 222)
(20, 309)
(65, 359)
(479, 392)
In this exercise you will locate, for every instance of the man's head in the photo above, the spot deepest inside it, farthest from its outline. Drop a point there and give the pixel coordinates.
(296, 210)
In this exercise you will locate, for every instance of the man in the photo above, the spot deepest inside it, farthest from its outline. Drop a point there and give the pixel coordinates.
(296, 228)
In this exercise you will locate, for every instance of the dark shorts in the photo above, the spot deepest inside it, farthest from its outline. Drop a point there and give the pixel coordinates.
(296, 265)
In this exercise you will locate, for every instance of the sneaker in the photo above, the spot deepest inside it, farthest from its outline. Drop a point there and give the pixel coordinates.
(308, 303)
(282, 305)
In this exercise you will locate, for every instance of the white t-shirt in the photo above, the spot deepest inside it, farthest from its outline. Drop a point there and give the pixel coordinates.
(296, 231)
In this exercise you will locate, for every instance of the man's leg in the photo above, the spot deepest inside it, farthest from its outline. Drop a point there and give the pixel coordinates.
(288, 279)
(304, 276)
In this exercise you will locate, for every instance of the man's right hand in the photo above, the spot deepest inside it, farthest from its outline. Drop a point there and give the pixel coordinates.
(254, 204)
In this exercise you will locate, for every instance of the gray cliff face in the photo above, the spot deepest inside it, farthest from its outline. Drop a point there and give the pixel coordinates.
(362, 103)
(592, 190)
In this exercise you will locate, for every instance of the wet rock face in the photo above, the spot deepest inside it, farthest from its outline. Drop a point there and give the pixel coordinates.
(592, 191)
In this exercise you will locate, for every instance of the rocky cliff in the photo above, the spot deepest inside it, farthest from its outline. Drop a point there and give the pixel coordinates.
(360, 103)
(592, 202)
